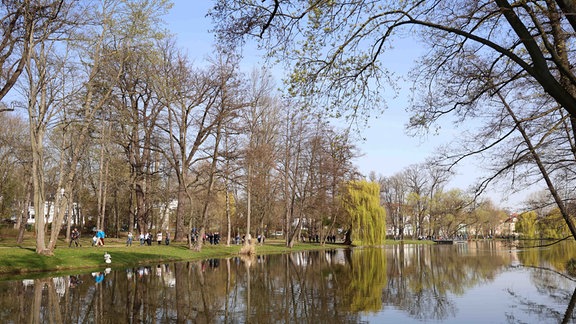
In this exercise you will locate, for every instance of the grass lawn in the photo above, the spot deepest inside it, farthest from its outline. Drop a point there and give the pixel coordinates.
(18, 260)
(23, 259)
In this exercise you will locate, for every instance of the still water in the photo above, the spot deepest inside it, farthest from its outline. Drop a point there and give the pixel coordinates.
(476, 282)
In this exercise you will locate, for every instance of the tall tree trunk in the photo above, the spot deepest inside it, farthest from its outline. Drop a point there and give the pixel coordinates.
(25, 213)
(210, 186)
(141, 207)
(70, 211)
(181, 211)
(348, 237)
(132, 213)
(248, 239)
(116, 209)
(228, 216)
(58, 216)
(102, 186)
(191, 236)
(38, 185)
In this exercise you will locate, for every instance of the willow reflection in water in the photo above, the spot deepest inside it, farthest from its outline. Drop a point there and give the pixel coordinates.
(474, 282)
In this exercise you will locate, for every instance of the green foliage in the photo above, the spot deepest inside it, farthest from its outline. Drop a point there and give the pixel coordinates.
(526, 225)
(361, 201)
(571, 267)
(553, 226)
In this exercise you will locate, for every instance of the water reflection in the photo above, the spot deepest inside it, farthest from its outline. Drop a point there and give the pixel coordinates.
(411, 283)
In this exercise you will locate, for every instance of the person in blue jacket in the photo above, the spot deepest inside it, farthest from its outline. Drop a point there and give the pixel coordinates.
(100, 235)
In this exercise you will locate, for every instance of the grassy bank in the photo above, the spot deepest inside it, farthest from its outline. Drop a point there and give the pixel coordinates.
(18, 260)
(22, 259)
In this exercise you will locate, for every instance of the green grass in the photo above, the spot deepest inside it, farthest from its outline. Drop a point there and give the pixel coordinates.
(18, 260)
(23, 260)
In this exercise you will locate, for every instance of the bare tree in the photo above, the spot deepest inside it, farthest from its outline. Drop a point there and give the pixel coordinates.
(42, 109)
(136, 104)
(295, 168)
(14, 170)
(24, 25)
(199, 102)
(48, 96)
(228, 100)
(260, 123)
(138, 110)
(333, 152)
(393, 192)
(417, 181)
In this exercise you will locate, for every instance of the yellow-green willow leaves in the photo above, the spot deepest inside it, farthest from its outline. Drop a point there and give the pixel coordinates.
(361, 201)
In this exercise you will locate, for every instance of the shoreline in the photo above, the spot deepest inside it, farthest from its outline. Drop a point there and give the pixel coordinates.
(22, 261)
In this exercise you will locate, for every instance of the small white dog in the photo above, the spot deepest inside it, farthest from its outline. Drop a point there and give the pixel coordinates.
(107, 258)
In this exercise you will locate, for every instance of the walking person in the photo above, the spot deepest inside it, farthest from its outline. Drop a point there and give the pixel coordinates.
(100, 235)
(74, 237)
(159, 238)
(129, 240)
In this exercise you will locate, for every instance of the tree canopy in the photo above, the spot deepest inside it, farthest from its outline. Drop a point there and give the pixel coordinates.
(361, 202)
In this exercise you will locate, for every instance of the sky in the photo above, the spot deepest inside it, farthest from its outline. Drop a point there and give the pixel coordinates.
(387, 149)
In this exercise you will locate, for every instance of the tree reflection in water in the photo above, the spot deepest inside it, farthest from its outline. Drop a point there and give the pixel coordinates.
(417, 283)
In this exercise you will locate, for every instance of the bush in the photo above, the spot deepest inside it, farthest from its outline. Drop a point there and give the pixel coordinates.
(248, 249)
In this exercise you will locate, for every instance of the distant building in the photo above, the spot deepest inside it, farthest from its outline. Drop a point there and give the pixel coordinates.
(50, 210)
(508, 227)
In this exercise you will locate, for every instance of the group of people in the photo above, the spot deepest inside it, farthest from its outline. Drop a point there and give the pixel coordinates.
(147, 238)
(261, 238)
(315, 238)
(213, 238)
(98, 238)
(331, 238)
(75, 238)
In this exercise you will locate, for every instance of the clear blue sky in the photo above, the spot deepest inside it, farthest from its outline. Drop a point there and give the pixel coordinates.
(387, 149)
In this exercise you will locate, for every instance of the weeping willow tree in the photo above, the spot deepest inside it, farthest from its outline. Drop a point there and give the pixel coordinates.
(526, 225)
(361, 202)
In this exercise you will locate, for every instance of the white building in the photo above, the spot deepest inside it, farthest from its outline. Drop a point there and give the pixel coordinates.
(49, 210)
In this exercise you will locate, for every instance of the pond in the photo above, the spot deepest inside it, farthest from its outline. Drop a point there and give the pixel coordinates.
(474, 282)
